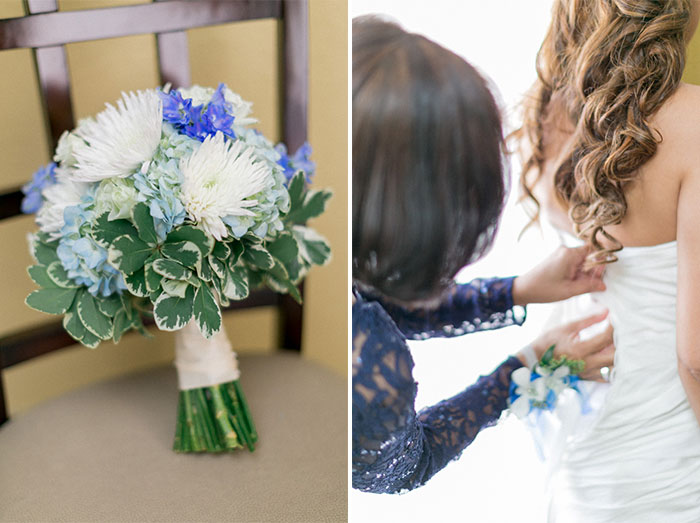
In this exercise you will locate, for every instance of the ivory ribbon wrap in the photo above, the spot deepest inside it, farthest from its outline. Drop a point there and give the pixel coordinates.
(203, 362)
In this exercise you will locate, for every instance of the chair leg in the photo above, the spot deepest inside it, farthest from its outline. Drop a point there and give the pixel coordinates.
(290, 322)
(3, 408)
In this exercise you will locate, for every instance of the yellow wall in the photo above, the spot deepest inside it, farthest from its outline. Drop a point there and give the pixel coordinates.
(692, 65)
(246, 57)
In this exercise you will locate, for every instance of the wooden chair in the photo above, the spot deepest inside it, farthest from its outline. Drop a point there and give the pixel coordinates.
(299, 469)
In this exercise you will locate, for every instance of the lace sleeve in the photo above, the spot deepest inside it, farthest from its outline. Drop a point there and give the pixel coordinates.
(393, 448)
(481, 304)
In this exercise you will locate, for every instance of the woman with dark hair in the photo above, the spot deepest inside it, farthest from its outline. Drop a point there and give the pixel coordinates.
(428, 190)
(611, 143)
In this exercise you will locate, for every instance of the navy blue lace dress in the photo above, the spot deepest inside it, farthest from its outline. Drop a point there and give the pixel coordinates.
(393, 447)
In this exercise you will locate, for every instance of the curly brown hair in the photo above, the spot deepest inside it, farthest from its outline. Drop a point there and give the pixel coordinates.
(607, 66)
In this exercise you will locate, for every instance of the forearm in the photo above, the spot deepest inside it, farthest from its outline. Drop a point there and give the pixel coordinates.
(691, 383)
(482, 304)
(451, 425)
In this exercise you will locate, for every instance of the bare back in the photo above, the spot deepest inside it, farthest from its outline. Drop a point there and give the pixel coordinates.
(652, 198)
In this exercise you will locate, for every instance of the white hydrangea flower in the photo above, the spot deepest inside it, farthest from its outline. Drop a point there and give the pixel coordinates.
(67, 143)
(64, 193)
(117, 196)
(240, 108)
(199, 95)
(219, 179)
(119, 139)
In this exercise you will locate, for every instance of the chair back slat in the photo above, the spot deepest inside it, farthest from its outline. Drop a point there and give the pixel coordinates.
(296, 72)
(65, 27)
(173, 59)
(3, 409)
(54, 81)
(296, 101)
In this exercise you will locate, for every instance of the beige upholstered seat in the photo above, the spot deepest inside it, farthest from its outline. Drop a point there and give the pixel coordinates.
(103, 453)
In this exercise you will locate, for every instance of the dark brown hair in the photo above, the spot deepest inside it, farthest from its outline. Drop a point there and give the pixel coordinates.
(606, 67)
(427, 162)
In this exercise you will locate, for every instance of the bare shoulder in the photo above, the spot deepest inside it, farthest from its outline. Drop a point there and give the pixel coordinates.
(679, 117)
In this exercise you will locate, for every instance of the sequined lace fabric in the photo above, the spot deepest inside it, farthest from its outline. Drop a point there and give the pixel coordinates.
(394, 448)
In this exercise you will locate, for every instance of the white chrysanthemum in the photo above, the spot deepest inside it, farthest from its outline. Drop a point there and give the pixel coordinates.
(119, 139)
(64, 193)
(219, 179)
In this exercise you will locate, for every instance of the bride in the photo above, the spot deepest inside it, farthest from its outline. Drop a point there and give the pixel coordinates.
(611, 148)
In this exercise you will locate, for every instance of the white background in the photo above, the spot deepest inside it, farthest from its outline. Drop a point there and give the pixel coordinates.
(498, 478)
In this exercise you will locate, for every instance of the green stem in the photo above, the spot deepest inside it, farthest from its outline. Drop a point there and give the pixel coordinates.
(214, 419)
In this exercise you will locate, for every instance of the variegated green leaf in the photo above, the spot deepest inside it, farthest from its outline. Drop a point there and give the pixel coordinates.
(39, 275)
(206, 312)
(258, 256)
(110, 305)
(313, 247)
(144, 223)
(171, 269)
(186, 253)
(175, 287)
(51, 301)
(136, 283)
(189, 233)
(237, 249)
(278, 280)
(152, 277)
(313, 204)
(105, 231)
(91, 316)
(43, 253)
(121, 325)
(221, 250)
(236, 284)
(217, 266)
(172, 312)
(75, 327)
(59, 276)
(128, 254)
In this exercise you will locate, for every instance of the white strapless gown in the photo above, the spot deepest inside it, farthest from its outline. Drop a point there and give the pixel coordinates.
(636, 456)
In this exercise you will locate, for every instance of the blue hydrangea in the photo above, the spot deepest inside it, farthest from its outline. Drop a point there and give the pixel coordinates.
(300, 161)
(44, 177)
(159, 183)
(198, 121)
(83, 258)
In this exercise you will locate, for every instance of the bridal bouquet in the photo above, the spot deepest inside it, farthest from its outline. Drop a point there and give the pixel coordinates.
(170, 206)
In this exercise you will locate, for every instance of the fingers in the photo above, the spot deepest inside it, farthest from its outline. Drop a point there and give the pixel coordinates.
(603, 358)
(594, 375)
(597, 342)
(587, 283)
(577, 326)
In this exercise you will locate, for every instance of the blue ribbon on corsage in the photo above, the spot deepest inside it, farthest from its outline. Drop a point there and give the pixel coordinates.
(538, 389)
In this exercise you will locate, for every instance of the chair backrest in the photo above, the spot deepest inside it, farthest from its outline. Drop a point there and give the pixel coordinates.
(45, 30)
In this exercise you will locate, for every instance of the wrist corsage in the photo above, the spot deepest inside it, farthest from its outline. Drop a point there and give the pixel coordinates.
(538, 389)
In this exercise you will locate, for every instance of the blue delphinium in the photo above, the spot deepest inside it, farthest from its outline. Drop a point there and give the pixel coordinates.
(85, 260)
(300, 161)
(198, 121)
(44, 177)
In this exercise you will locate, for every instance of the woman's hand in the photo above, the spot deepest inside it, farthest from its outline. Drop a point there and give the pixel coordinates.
(559, 277)
(596, 352)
